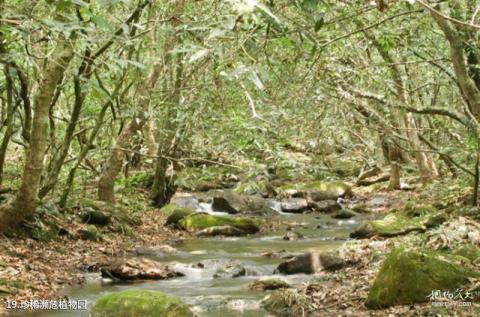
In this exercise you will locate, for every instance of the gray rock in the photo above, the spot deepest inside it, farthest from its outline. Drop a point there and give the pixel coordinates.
(95, 217)
(295, 205)
(139, 269)
(292, 236)
(231, 270)
(325, 205)
(310, 263)
(234, 203)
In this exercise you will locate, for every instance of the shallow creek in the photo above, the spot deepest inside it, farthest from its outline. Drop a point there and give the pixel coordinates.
(212, 297)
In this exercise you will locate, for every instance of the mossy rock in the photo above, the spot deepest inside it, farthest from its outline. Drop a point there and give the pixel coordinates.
(227, 231)
(328, 190)
(144, 303)
(117, 212)
(175, 213)
(202, 221)
(398, 224)
(91, 233)
(408, 277)
(287, 302)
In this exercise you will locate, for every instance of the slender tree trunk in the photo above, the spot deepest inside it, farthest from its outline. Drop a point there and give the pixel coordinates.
(470, 92)
(8, 121)
(26, 200)
(476, 180)
(106, 183)
(83, 154)
(58, 160)
(85, 72)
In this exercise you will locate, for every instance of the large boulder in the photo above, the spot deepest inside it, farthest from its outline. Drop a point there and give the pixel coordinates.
(175, 213)
(95, 217)
(227, 231)
(200, 221)
(135, 303)
(186, 201)
(233, 203)
(398, 224)
(310, 263)
(139, 269)
(408, 277)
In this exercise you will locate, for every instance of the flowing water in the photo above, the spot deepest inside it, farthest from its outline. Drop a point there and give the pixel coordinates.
(224, 297)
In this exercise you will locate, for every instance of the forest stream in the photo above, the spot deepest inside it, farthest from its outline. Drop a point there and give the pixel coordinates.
(200, 258)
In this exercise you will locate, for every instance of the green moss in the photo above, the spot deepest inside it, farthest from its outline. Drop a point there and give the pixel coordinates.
(333, 188)
(175, 213)
(344, 168)
(398, 224)
(470, 252)
(408, 277)
(10, 287)
(412, 209)
(202, 221)
(90, 233)
(135, 303)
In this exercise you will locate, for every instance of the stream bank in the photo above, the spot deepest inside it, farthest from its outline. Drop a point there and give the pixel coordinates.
(218, 271)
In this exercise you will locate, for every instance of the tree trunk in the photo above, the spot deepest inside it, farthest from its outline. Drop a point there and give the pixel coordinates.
(26, 200)
(106, 184)
(469, 90)
(8, 121)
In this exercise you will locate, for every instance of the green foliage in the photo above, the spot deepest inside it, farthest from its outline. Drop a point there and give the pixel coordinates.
(204, 178)
(139, 179)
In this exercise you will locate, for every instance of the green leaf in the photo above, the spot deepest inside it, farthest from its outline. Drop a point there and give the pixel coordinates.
(100, 22)
(319, 21)
(310, 5)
